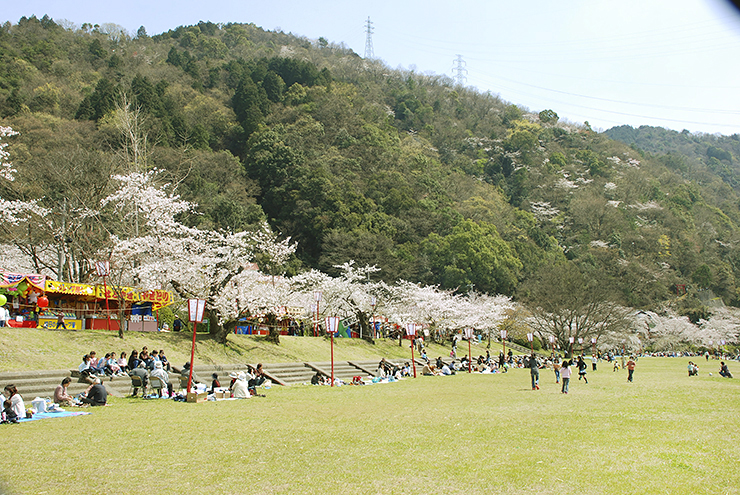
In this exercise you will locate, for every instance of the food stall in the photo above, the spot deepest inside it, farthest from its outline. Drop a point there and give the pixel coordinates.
(35, 301)
(73, 300)
(22, 292)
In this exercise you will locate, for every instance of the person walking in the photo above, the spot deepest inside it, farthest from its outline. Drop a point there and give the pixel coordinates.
(565, 375)
(582, 369)
(630, 368)
(556, 368)
(60, 321)
(534, 372)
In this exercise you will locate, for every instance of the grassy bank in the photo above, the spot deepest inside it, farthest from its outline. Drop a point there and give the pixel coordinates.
(664, 433)
(23, 348)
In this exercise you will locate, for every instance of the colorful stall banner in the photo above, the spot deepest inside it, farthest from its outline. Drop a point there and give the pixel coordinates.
(55, 287)
(10, 279)
(159, 298)
(127, 293)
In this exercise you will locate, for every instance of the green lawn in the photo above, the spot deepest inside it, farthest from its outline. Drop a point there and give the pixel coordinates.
(664, 433)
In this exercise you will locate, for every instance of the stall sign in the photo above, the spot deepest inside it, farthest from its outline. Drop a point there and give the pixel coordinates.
(51, 324)
(129, 294)
(157, 297)
(294, 311)
(69, 288)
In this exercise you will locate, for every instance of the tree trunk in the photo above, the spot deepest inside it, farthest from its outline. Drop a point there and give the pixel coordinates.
(272, 325)
(367, 333)
(218, 331)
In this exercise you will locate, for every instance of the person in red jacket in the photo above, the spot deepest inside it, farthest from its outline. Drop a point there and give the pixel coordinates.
(630, 368)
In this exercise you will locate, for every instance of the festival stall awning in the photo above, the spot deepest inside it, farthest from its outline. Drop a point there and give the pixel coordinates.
(68, 288)
(10, 279)
(157, 297)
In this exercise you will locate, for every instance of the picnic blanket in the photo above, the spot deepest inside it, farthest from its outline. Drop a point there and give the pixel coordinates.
(59, 414)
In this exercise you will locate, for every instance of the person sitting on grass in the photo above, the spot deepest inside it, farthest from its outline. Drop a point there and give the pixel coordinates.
(693, 369)
(61, 396)
(8, 414)
(16, 401)
(257, 378)
(240, 390)
(319, 379)
(95, 395)
(446, 370)
(724, 370)
(214, 383)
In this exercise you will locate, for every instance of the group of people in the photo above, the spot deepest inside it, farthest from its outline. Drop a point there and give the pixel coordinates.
(243, 385)
(111, 365)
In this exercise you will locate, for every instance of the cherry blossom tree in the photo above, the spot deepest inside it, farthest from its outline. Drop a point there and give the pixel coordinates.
(348, 296)
(257, 296)
(425, 305)
(194, 262)
(13, 211)
(484, 312)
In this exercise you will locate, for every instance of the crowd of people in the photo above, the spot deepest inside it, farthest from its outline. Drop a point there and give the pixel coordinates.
(154, 366)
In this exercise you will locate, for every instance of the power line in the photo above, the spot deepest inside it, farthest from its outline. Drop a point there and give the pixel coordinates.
(369, 53)
(459, 70)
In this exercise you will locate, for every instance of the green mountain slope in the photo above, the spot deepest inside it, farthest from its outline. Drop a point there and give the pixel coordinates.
(430, 181)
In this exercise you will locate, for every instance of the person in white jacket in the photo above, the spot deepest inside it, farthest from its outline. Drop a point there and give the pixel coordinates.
(240, 389)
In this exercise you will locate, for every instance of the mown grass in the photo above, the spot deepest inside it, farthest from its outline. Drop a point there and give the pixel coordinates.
(664, 433)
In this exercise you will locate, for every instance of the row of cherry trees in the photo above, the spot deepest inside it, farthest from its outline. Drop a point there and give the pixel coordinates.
(148, 246)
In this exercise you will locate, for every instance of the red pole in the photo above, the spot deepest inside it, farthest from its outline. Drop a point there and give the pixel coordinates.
(107, 309)
(470, 357)
(332, 358)
(316, 325)
(192, 355)
(413, 361)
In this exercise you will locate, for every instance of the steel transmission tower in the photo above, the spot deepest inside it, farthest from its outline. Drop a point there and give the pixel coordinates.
(460, 71)
(369, 53)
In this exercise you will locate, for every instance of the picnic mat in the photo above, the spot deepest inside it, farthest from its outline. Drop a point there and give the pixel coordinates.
(60, 414)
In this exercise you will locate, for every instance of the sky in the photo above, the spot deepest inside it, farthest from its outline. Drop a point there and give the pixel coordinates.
(668, 63)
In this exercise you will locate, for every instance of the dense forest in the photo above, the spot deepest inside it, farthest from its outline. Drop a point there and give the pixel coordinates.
(430, 181)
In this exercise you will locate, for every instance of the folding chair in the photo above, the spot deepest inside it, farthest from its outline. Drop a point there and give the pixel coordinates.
(156, 383)
(136, 383)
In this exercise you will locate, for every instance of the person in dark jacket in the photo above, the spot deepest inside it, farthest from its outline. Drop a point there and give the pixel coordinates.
(534, 371)
(582, 369)
(96, 394)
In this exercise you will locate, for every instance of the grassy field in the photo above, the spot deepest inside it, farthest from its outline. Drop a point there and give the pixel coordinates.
(664, 433)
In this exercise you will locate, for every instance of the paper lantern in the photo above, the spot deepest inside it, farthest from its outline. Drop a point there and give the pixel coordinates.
(3, 300)
(42, 302)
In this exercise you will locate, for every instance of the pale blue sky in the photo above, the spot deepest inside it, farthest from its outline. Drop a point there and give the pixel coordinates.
(670, 63)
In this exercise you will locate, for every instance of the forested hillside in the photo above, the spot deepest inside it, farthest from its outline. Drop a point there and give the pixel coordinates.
(431, 182)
